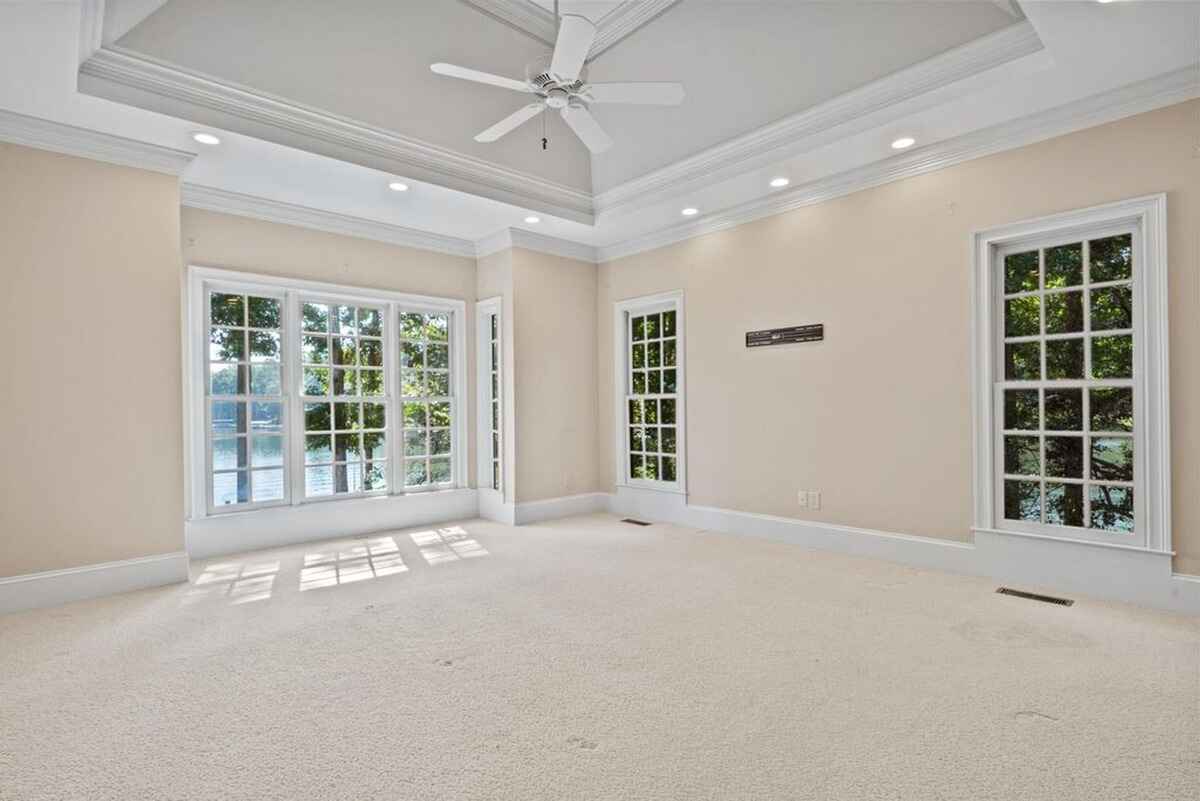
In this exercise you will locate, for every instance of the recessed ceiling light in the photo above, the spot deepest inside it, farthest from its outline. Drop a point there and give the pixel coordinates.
(903, 142)
(779, 182)
(532, 220)
(398, 186)
(1104, 1)
(689, 211)
(206, 138)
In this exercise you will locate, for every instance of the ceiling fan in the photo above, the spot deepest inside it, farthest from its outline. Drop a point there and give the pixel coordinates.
(559, 81)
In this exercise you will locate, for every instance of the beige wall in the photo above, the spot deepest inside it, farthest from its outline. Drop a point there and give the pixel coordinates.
(240, 243)
(878, 416)
(91, 416)
(554, 326)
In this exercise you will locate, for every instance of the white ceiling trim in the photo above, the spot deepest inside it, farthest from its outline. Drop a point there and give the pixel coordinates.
(320, 132)
(59, 137)
(793, 134)
(1160, 91)
(91, 28)
(541, 24)
(259, 208)
(508, 238)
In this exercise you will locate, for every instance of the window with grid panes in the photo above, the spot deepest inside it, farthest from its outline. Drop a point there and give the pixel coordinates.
(1066, 385)
(246, 453)
(344, 395)
(652, 399)
(426, 399)
(494, 395)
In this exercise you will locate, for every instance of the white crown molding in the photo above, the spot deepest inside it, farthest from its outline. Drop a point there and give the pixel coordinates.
(795, 133)
(259, 208)
(1009, 7)
(112, 72)
(530, 18)
(508, 238)
(59, 137)
(1163, 90)
(91, 28)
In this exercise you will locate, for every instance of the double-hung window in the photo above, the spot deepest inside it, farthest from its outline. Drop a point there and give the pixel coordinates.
(650, 392)
(308, 392)
(1076, 377)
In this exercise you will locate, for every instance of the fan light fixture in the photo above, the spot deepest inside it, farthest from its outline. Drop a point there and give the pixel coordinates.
(205, 138)
(903, 142)
(690, 212)
(398, 186)
(779, 182)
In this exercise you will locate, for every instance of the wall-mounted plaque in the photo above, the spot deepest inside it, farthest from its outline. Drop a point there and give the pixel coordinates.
(785, 336)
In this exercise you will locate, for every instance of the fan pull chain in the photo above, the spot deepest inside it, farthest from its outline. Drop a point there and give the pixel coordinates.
(545, 141)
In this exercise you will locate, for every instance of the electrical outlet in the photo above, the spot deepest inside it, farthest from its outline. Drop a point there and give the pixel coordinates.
(802, 498)
(814, 499)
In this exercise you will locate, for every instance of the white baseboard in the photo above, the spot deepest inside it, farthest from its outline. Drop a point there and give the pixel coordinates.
(493, 507)
(289, 525)
(52, 587)
(566, 506)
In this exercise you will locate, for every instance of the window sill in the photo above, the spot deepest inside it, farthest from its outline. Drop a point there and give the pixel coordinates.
(1070, 540)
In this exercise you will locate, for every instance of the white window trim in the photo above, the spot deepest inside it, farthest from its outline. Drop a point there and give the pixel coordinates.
(622, 310)
(201, 278)
(483, 394)
(1152, 440)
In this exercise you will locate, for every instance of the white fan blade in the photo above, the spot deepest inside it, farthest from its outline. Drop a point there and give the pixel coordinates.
(575, 37)
(455, 71)
(645, 93)
(510, 123)
(581, 121)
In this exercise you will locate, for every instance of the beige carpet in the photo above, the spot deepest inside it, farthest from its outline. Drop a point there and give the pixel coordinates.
(588, 659)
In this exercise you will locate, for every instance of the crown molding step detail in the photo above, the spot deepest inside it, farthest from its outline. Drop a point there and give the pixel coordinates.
(59, 137)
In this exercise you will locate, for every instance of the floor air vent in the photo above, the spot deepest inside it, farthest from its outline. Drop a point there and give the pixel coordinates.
(633, 522)
(1033, 596)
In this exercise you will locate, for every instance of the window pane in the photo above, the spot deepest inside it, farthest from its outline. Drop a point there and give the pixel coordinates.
(375, 445)
(345, 350)
(318, 449)
(667, 439)
(230, 488)
(1112, 307)
(415, 474)
(1022, 361)
(370, 353)
(1021, 317)
(412, 326)
(1023, 500)
(370, 322)
(439, 414)
(347, 478)
(650, 439)
(1112, 458)
(1064, 504)
(412, 383)
(268, 485)
(226, 345)
(315, 350)
(639, 382)
(437, 384)
(266, 417)
(1064, 313)
(639, 328)
(1064, 457)
(264, 313)
(650, 411)
(635, 465)
(1112, 258)
(639, 356)
(343, 320)
(437, 327)
(668, 324)
(1021, 272)
(317, 417)
(1112, 357)
(227, 379)
(1064, 410)
(1064, 266)
(316, 317)
(668, 410)
(654, 381)
(264, 346)
(228, 417)
(635, 411)
(1112, 409)
(370, 382)
(266, 452)
(439, 441)
(437, 356)
(412, 354)
(347, 448)
(374, 415)
(669, 353)
(439, 471)
(654, 354)
(652, 326)
(1112, 508)
(227, 309)
(668, 381)
(414, 443)
(318, 481)
(668, 468)
(375, 476)
(649, 468)
(414, 415)
(636, 439)
(1064, 358)
(316, 380)
(345, 416)
(1021, 410)
(229, 453)
(265, 379)
(1022, 456)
